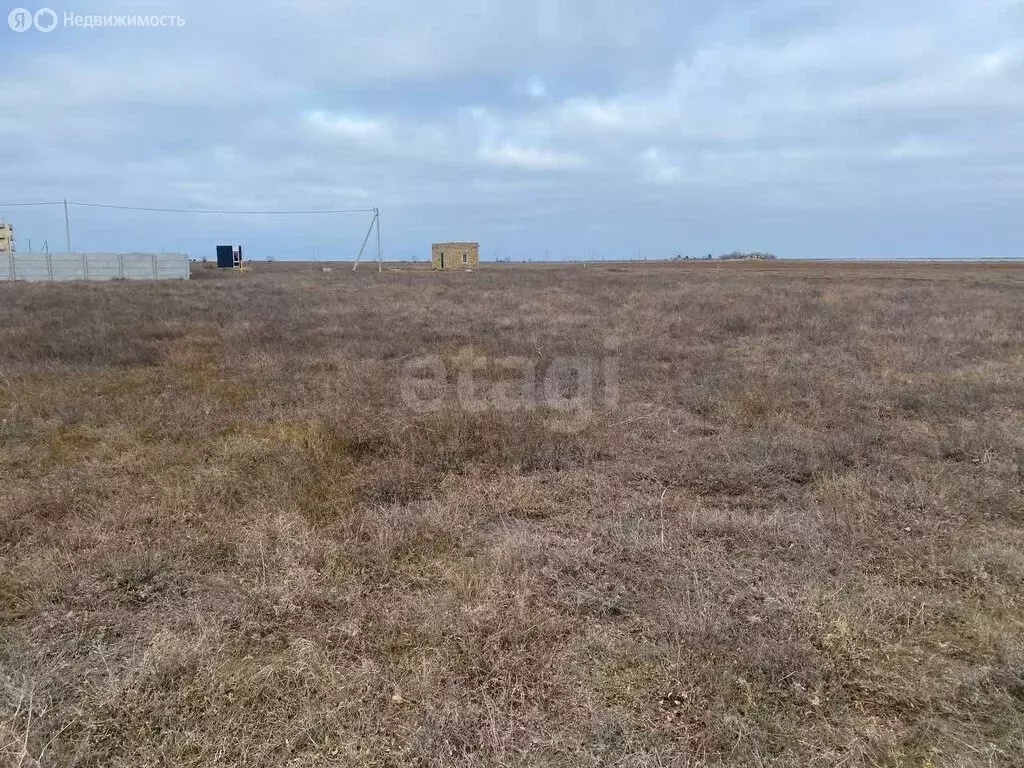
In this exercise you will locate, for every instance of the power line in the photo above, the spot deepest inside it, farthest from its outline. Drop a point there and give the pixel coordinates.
(25, 205)
(67, 223)
(203, 210)
(191, 210)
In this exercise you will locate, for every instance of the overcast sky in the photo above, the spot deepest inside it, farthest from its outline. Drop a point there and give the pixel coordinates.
(571, 128)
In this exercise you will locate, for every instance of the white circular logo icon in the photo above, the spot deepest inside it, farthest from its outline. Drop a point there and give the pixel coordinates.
(20, 20)
(45, 19)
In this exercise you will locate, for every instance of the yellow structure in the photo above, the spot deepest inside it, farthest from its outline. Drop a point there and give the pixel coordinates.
(6, 238)
(455, 255)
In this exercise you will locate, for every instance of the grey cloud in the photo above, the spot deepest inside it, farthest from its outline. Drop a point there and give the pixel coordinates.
(575, 123)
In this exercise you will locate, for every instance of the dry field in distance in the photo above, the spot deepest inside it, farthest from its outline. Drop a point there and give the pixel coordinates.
(796, 539)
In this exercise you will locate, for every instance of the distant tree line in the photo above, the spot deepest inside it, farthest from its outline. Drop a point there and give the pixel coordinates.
(734, 256)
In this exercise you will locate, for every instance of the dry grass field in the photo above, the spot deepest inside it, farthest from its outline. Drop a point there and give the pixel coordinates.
(795, 537)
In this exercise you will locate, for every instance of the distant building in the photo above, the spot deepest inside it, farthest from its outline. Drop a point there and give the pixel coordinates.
(455, 255)
(6, 238)
(229, 257)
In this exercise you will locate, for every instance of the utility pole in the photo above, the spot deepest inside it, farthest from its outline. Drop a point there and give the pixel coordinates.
(380, 256)
(374, 222)
(67, 227)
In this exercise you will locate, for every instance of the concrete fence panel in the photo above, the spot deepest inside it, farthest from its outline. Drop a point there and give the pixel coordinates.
(60, 267)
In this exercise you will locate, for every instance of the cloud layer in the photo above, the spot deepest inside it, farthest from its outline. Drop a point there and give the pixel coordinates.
(572, 128)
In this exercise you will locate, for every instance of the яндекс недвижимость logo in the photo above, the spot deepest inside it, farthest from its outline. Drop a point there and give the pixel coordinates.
(47, 20)
(22, 20)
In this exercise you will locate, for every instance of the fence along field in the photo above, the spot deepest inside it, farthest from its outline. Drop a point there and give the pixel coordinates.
(792, 538)
(60, 267)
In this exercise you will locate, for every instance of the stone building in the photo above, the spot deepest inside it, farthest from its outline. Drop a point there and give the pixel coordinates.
(6, 238)
(454, 255)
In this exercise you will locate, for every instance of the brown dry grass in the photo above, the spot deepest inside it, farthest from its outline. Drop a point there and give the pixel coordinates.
(797, 540)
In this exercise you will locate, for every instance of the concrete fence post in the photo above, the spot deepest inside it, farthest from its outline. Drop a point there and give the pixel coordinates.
(85, 265)
(120, 266)
(49, 266)
(10, 268)
(156, 275)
